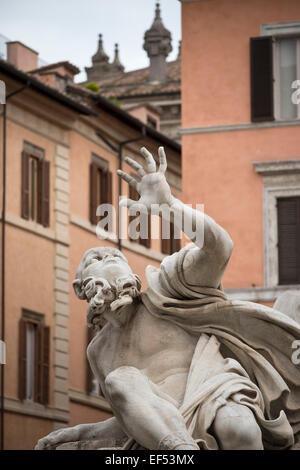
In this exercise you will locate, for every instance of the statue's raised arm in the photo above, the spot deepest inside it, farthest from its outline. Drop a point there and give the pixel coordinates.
(206, 262)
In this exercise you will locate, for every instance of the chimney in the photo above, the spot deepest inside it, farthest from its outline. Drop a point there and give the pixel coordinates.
(158, 46)
(21, 56)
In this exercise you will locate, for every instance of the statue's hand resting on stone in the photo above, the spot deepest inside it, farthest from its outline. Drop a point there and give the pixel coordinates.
(109, 429)
(58, 437)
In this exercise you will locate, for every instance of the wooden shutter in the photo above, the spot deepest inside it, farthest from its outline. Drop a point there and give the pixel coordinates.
(134, 195)
(147, 241)
(288, 211)
(22, 359)
(109, 187)
(93, 192)
(43, 365)
(25, 186)
(43, 192)
(261, 64)
(175, 242)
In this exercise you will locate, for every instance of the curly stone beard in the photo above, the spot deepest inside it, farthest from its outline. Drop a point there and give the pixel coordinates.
(107, 301)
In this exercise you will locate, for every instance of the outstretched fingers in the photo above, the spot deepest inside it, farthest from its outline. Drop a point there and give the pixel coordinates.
(162, 160)
(129, 179)
(136, 166)
(151, 165)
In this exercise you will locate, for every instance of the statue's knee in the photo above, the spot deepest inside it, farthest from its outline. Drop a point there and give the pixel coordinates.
(119, 382)
(239, 432)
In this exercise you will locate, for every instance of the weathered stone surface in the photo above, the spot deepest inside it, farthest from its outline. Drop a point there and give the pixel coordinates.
(181, 366)
(289, 303)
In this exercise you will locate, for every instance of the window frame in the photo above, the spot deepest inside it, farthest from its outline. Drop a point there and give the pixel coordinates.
(41, 213)
(41, 365)
(278, 31)
(276, 78)
(281, 179)
(99, 167)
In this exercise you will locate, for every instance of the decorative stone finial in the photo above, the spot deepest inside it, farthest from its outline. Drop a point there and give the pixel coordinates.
(116, 65)
(100, 56)
(157, 44)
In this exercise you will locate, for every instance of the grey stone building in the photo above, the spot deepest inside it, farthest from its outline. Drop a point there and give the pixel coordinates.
(153, 93)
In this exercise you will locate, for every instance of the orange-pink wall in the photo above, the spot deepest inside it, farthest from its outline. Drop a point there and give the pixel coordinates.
(217, 167)
(29, 258)
(215, 56)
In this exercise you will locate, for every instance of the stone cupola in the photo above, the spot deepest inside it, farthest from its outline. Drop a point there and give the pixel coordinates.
(157, 44)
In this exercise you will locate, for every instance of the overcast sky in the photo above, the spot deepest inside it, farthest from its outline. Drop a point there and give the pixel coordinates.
(68, 29)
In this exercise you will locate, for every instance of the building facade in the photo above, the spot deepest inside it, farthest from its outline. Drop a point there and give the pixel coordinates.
(158, 85)
(241, 135)
(62, 153)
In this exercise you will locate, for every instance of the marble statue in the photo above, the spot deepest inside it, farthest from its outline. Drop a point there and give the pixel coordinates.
(181, 366)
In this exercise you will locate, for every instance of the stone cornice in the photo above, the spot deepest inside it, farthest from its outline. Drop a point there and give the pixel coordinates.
(278, 167)
(238, 127)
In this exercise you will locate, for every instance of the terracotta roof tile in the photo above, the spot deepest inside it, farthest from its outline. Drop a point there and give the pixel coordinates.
(136, 82)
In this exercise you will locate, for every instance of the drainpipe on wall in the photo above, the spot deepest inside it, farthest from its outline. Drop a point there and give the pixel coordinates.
(3, 256)
(119, 151)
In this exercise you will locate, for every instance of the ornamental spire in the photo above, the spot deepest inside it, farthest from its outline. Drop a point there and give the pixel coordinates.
(100, 56)
(116, 65)
(157, 44)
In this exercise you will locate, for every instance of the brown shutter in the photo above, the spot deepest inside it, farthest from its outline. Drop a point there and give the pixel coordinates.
(261, 64)
(166, 246)
(134, 195)
(89, 373)
(175, 242)
(93, 192)
(37, 362)
(147, 241)
(288, 211)
(43, 192)
(44, 365)
(25, 186)
(22, 359)
(109, 187)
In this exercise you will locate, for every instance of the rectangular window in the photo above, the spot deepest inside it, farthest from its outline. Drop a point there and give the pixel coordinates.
(34, 343)
(275, 66)
(35, 185)
(170, 245)
(288, 213)
(146, 242)
(286, 71)
(100, 186)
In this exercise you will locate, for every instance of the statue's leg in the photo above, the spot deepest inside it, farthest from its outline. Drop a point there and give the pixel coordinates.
(236, 428)
(149, 419)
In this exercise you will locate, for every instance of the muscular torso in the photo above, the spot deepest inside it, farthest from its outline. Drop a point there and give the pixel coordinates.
(145, 342)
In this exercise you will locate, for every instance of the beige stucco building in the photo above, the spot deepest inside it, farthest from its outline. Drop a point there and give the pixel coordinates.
(52, 149)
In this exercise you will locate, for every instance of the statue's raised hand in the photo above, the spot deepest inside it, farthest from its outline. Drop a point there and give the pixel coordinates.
(152, 185)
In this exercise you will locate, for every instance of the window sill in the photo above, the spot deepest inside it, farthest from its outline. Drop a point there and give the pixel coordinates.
(111, 237)
(30, 226)
(259, 294)
(86, 225)
(89, 400)
(142, 250)
(37, 410)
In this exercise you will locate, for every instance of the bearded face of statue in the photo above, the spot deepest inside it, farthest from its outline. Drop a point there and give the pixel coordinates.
(106, 281)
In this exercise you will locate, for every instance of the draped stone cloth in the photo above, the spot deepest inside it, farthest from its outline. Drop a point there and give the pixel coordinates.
(243, 355)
